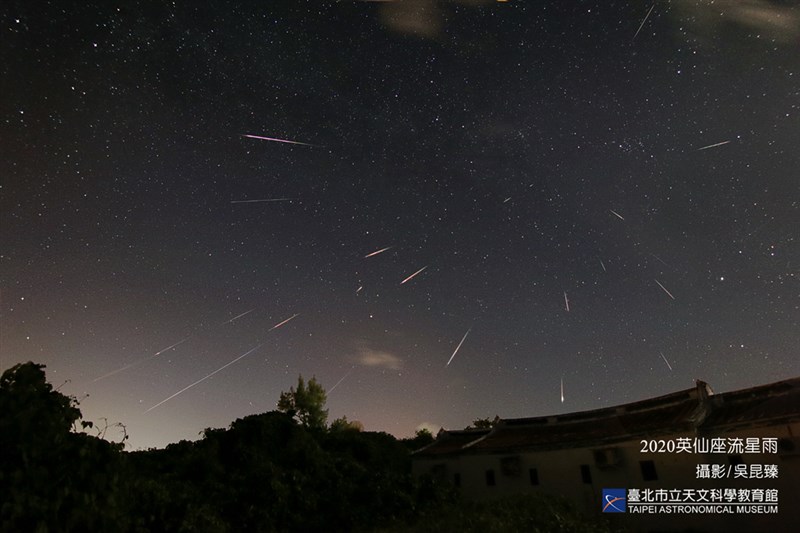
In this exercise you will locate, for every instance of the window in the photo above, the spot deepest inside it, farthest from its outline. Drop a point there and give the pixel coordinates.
(586, 474)
(534, 475)
(648, 470)
(457, 480)
(490, 482)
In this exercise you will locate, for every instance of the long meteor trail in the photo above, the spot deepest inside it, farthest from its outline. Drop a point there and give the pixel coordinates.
(140, 361)
(643, 21)
(665, 360)
(376, 252)
(343, 378)
(412, 276)
(238, 316)
(220, 369)
(713, 145)
(273, 139)
(665, 289)
(262, 200)
(458, 347)
(279, 324)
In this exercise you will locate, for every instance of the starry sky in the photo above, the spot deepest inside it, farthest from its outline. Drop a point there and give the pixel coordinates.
(599, 194)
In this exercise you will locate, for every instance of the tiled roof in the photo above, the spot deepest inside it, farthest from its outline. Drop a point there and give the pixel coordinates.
(773, 403)
(680, 412)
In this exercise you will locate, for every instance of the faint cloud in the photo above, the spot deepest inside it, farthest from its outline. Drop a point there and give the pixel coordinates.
(423, 18)
(376, 358)
(773, 20)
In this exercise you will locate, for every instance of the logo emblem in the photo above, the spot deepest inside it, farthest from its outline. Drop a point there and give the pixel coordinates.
(614, 501)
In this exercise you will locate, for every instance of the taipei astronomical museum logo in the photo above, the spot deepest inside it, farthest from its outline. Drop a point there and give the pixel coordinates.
(614, 501)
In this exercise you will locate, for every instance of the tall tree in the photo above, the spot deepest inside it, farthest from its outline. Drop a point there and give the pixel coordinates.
(306, 403)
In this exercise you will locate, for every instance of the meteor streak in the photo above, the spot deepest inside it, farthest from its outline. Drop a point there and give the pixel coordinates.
(665, 289)
(566, 301)
(140, 361)
(273, 139)
(220, 369)
(602, 265)
(376, 252)
(276, 326)
(343, 378)
(662, 261)
(238, 316)
(262, 200)
(117, 371)
(617, 214)
(643, 21)
(713, 145)
(562, 390)
(409, 278)
(171, 347)
(665, 360)
(458, 347)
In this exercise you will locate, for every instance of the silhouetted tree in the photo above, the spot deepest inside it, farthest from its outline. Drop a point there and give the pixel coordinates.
(483, 423)
(343, 424)
(51, 477)
(306, 403)
(421, 438)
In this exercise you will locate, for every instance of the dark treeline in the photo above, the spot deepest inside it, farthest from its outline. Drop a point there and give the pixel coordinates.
(267, 472)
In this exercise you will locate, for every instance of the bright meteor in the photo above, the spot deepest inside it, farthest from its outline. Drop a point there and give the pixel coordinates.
(262, 200)
(220, 369)
(665, 289)
(713, 145)
(273, 139)
(279, 324)
(140, 361)
(665, 360)
(238, 316)
(412, 276)
(458, 347)
(376, 252)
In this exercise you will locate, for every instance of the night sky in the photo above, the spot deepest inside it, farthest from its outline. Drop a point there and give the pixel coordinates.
(591, 198)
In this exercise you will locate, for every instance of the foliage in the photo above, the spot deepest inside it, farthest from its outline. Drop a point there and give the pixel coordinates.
(483, 423)
(275, 471)
(306, 403)
(421, 438)
(51, 478)
(343, 424)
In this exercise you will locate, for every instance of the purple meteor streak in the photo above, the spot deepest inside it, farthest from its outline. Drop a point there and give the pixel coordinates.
(273, 139)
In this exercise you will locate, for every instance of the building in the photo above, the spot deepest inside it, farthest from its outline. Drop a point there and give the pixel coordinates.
(684, 450)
